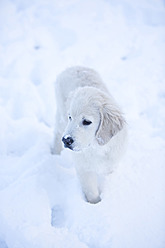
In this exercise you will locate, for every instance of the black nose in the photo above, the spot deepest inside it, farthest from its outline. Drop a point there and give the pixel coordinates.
(67, 141)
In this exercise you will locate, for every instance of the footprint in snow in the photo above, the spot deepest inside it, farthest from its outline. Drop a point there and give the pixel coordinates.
(58, 216)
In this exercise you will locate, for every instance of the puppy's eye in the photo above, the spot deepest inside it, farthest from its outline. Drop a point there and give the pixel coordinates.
(86, 123)
(70, 118)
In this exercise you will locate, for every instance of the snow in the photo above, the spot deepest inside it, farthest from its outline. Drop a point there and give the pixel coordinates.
(41, 203)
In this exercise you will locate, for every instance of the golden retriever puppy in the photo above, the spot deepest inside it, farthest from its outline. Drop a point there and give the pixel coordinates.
(90, 123)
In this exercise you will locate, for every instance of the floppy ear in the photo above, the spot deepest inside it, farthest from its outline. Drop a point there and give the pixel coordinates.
(111, 122)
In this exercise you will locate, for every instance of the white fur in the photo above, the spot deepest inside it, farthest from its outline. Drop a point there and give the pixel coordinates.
(81, 94)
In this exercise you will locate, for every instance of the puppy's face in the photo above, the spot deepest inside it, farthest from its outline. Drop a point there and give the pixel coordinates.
(93, 119)
(80, 132)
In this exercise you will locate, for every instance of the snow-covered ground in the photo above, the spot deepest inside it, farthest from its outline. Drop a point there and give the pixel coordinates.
(41, 203)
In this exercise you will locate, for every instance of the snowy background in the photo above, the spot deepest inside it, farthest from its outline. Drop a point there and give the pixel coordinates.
(41, 203)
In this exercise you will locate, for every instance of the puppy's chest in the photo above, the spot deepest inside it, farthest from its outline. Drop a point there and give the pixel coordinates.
(96, 161)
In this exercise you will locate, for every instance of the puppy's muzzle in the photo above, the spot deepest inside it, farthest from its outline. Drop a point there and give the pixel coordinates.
(68, 142)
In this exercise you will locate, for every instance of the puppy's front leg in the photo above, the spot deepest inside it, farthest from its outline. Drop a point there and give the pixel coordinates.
(57, 146)
(89, 185)
(58, 132)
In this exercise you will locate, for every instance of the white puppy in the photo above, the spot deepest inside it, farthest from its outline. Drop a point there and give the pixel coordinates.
(96, 129)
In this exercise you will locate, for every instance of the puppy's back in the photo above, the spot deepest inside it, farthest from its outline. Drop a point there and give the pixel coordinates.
(78, 76)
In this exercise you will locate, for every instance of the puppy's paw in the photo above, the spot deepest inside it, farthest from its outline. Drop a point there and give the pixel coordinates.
(93, 199)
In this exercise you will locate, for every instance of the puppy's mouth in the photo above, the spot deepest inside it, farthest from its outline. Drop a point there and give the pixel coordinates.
(68, 146)
(72, 148)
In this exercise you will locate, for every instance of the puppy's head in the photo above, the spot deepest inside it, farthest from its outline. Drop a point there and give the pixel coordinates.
(93, 119)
